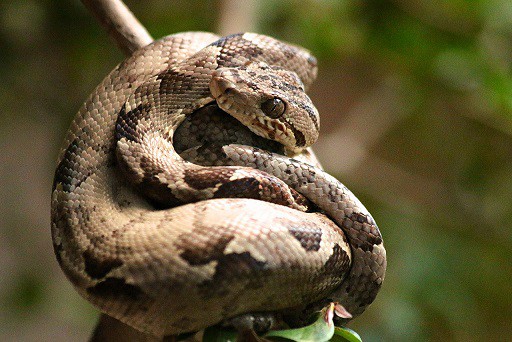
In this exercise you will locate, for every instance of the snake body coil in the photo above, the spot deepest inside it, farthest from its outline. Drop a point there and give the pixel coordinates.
(172, 242)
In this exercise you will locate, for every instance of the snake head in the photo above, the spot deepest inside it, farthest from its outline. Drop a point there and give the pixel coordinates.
(270, 101)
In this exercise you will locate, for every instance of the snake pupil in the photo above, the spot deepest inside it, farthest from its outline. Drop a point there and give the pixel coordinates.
(273, 108)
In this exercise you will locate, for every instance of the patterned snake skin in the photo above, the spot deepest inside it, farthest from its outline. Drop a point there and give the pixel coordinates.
(171, 215)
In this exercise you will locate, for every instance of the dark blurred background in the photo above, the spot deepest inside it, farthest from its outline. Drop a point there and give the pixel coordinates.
(416, 105)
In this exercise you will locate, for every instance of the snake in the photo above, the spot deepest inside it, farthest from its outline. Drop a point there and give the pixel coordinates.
(186, 193)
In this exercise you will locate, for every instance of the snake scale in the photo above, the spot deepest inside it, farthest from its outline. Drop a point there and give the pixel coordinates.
(171, 215)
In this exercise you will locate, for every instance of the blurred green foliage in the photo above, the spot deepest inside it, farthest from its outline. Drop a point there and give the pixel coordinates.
(437, 178)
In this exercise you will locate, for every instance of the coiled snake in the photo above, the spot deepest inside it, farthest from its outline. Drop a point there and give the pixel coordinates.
(169, 246)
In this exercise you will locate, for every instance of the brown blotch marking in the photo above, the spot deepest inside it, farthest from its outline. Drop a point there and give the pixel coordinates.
(115, 288)
(362, 218)
(248, 187)
(149, 167)
(71, 172)
(338, 262)
(301, 199)
(175, 82)
(239, 264)
(158, 193)
(231, 45)
(309, 237)
(202, 256)
(233, 266)
(371, 239)
(61, 219)
(126, 123)
(98, 268)
(201, 179)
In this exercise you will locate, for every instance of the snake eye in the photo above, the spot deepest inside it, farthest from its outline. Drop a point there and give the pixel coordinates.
(273, 108)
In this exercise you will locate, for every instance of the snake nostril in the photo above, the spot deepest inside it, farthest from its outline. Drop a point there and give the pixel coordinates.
(220, 86)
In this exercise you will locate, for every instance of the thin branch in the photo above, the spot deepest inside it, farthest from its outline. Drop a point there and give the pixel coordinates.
(120, 23)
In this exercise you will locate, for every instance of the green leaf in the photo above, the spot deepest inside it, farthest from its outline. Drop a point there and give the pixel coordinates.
(217, 334)
(319, 331)
(342, 334)
(322, 330)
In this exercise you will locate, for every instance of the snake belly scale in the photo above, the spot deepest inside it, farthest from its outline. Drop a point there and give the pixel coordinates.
(169, 246)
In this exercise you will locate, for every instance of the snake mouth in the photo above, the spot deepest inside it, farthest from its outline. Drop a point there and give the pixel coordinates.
(210, 126)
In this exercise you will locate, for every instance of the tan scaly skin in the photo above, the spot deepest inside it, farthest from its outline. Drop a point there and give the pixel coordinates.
(168, 246)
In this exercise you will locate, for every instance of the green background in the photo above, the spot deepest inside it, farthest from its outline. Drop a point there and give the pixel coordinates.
(416, 104)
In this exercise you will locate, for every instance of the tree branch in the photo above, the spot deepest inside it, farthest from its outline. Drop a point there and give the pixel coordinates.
(120, 23)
